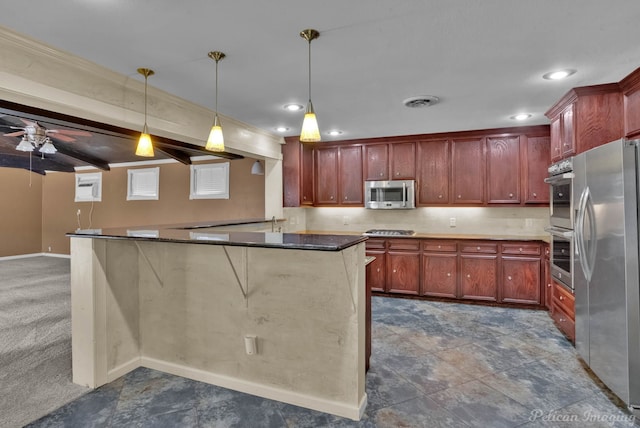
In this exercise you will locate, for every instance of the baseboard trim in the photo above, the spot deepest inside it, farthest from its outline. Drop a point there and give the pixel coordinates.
(123, 369)
(26, 256)
(354, 412)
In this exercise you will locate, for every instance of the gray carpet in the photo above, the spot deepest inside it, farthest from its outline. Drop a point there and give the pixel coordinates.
(35, 339)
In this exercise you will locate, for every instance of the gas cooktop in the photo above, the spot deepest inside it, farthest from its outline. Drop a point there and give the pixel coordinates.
(389, 232)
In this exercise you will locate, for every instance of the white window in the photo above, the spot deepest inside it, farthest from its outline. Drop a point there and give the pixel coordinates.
(143, 184)
(210, 181)
(89, 187)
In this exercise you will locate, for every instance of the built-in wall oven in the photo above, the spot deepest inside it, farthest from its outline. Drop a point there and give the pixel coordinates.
(561, 221)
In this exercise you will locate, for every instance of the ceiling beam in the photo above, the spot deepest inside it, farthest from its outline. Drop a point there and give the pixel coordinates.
(178, 155)
(37, 163)
(81, 156)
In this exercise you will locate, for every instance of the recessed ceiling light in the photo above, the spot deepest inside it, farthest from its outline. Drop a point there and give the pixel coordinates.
(559, 74)
(334, 132)
(421, 101)
(521, 116)
(293, 107)
(282, 129)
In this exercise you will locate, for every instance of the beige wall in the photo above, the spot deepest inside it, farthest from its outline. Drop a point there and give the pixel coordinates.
(20, 212)
(35, 219)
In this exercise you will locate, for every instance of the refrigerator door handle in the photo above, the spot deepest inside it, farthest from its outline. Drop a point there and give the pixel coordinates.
(590, 249)
(586, 256)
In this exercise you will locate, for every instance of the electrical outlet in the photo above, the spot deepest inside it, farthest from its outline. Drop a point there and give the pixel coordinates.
(78, 211)
(452, 222)
(49, 248)
(345, 219)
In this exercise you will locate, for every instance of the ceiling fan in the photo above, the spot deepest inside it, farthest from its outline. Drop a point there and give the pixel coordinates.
(35, 135)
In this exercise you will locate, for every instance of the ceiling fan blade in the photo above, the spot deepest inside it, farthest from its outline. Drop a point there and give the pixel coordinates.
(70, 132)
(14, 134)
(62, 137)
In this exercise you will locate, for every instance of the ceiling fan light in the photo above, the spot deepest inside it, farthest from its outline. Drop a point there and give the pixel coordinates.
(145, 147)
(25, 145)
(48, 148)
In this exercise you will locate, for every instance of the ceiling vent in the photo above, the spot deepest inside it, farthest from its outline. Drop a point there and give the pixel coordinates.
(421, 101)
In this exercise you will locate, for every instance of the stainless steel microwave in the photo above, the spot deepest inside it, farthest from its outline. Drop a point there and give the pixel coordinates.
(390, 194)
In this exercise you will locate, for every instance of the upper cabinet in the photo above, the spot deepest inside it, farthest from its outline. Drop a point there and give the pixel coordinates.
(471, 168)
(339, 176)
(390, 161)
(403, 161)
(376, 158)
(503, 170)
(584, 118)
(630, 87)
(468, 167)
(433, 175)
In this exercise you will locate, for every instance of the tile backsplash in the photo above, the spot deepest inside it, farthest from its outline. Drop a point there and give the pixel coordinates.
(524, 221)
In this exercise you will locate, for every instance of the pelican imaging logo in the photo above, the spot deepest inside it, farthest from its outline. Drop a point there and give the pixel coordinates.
(589, 416)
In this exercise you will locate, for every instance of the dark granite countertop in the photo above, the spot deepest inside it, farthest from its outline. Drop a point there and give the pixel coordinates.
(195, 234)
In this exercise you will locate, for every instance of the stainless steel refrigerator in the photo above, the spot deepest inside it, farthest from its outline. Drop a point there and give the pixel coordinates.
(605, 265)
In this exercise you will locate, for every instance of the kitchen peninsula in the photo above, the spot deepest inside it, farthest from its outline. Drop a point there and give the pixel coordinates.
(278, 315)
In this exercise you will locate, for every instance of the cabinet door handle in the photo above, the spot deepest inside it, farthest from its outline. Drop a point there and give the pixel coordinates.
(509, 277)
(478, 248)
(520, 249)
(381, 174)
(561, 297)
(394, 271)
(561, 319)
(468, 275)
(535, 195)
(511, 195)
(304, 198)
(439, 246)
(549, 285)
(448, 273)
(459, 196)
(439, 196)
(346, 197)
(397, 173)
(378, 270)
(331, 197)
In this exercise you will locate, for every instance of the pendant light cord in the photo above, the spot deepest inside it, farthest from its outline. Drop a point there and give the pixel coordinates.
(309, 70)
(145, 103)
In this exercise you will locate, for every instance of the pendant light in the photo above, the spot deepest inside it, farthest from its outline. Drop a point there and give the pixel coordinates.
(215, 142)
(310, 132)
(145, 147)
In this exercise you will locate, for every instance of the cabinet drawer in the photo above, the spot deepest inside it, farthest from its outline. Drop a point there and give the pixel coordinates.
(479, 247)
(525, 249)
(375, 244)
(404, 244)
(564, 299)
(565, 322)
(440, 246)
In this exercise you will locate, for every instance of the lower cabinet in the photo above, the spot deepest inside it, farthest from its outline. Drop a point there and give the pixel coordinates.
(509, 272)
(403, 266)
(563, 310)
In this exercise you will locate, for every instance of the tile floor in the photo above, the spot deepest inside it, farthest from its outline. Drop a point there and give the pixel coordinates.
(433, 364)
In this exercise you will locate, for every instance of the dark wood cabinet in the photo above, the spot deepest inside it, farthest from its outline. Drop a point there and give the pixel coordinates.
(376, 157)
(468, 167)
(403, 266)
(351, 184)
(503, 170)
(546, 275)
(537, 159)
(439, 268)
(307, 175)
(433, 172)
(402, 161)
(630, 87)
(563, 310)
(339, 176)
(520, 280)
(326, 160)
(584, 118)
(478, 277)
(377, 270)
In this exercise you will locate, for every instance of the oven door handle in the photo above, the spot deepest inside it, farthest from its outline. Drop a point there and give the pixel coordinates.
(561, 177)
(560, 232)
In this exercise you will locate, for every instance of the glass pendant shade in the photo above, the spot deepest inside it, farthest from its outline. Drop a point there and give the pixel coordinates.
(25, 145)
(257, 168)
(215, 142)
(48, 148)
(145, 147)
(310, 132)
